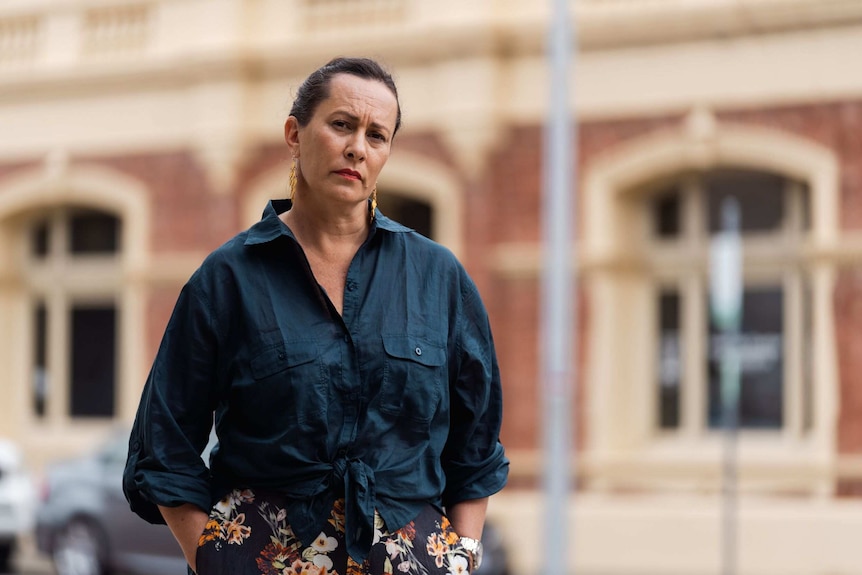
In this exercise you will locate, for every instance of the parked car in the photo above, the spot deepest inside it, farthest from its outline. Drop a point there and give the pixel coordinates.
(17, 501)
(85, 525)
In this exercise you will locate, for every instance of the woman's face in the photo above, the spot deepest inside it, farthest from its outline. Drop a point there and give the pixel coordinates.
(340, 152)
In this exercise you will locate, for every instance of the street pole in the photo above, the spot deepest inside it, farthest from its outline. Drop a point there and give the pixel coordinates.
(559, 302)
(726, 280)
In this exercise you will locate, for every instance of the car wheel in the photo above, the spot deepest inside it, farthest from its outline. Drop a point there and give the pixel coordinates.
(79, 549)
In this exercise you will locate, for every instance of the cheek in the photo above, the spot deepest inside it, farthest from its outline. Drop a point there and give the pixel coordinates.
(379, 162)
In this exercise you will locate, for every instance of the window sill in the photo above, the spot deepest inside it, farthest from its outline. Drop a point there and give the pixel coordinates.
(763, 463)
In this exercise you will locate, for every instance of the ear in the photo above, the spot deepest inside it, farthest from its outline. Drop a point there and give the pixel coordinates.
(291, 135)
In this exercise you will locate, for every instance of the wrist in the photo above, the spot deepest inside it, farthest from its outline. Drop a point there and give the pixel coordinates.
(474, 550)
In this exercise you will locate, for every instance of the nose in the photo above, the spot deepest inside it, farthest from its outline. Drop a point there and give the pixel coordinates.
(355, 149)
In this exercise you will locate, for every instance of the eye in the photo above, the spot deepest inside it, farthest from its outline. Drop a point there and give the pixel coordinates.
(340, 124)
(378, 136)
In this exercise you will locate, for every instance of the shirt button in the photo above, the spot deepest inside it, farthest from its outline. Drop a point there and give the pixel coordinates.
(281, 355)
(351, 285)
(418, 351)
(341, 452)
(346, 338)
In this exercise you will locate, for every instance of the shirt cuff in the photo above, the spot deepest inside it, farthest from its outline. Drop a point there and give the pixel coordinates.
(146, 490)
(466, 482)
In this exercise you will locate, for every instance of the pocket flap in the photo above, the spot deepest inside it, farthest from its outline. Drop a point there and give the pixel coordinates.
(415, 349)
(282, 356)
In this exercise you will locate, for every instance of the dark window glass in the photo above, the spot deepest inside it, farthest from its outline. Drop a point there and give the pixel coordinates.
(93, 361)
(409, 212)
(40, 239)
(93, 233)
(669, 359)
(761, 354)
(667, 216)
(806, 208)
(40, 362)
(760, 196)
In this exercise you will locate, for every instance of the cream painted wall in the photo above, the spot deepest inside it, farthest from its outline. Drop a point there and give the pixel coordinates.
(638, 534)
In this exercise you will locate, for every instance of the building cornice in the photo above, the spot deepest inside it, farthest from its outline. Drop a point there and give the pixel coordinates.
(612, 23)
(48, 57)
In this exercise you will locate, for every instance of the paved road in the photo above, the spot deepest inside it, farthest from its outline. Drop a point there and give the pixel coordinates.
(28, 561)
(32, 566)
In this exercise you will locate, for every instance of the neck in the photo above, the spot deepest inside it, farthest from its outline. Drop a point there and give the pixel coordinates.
(325, 232)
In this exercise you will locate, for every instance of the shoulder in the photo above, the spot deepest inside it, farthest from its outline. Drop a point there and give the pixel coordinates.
(417, 245)
(222, 265)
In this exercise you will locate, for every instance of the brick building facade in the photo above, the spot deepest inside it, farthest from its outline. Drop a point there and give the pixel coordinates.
(138, 136)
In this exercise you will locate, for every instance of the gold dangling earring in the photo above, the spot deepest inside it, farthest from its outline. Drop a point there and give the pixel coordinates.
(373, 202)
(292, 179)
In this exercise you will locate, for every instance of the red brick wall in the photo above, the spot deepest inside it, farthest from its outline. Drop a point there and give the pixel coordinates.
(186, 214)
(11, 169)
(838, 126)
(848, 316)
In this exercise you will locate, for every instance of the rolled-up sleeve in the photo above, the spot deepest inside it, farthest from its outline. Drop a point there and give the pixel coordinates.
(174, 417)
(473, 460)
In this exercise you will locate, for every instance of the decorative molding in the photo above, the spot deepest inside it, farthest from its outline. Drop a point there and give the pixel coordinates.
(268, 185)
(60, 182)
(472, 146)
(415, 176)
(672, 151)
(222, 162)
(118, 29)
(615, 23)
(338, 15)
(19, 39)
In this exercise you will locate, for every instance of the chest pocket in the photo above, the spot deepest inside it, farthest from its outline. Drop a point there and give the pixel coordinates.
(288, 375)
(413, 378)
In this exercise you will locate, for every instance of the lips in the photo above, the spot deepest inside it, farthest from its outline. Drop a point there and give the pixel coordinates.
(353, 175)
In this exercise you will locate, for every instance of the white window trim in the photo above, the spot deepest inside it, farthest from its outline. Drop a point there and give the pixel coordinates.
(622, 444)
(56, 184)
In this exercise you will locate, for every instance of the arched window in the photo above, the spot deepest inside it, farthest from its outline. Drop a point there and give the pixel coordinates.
(409, 211)
(71, 269)
(681, 214)
(653, 398)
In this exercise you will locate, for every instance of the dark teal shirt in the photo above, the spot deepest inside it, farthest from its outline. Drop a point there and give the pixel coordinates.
(394, 404)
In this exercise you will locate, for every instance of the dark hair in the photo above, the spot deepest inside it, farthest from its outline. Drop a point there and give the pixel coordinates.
(315, 88)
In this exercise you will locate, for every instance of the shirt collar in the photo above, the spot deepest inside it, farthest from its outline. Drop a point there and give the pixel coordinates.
(271, 227)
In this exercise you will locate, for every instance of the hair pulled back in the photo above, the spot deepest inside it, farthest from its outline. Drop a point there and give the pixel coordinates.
(315, 88)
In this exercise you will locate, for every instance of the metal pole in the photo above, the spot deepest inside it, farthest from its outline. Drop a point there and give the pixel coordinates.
(559, 300)
(730, 374)
(727, 313)
(730, 398)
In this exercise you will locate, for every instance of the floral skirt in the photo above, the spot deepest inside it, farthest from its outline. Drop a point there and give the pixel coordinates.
(247, 533)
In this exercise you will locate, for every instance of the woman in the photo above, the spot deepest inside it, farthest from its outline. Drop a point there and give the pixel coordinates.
(349, 367)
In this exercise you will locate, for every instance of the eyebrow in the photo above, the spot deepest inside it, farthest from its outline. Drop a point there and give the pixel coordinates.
(354, 118)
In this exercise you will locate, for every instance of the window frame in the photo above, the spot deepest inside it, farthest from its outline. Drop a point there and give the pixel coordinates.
(681, 264)
(62, 280)
(620, 448)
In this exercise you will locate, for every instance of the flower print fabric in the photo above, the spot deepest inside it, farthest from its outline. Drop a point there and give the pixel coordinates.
(247, 533)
